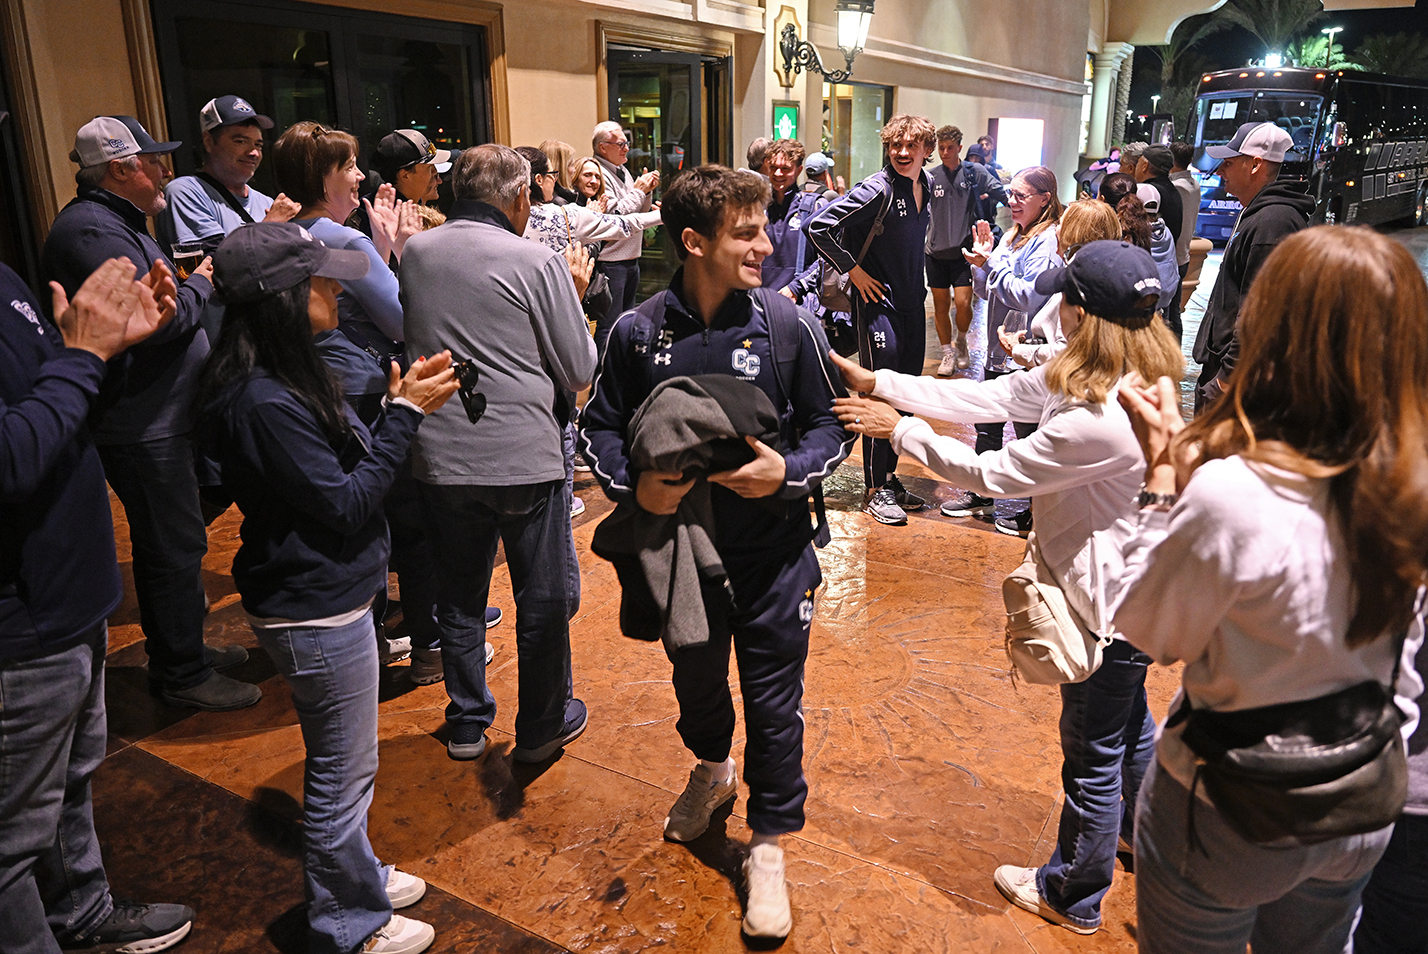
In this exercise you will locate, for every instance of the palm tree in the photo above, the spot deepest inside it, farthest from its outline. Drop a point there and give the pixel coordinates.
(1400, 54)
(1276, 22)
(1181, 65)
(1313, 51)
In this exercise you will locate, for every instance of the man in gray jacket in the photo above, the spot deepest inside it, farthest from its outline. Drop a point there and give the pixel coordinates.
(626, 195)
(491, 466)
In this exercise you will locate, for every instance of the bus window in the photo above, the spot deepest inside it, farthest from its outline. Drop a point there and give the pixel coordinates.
(1295, 113)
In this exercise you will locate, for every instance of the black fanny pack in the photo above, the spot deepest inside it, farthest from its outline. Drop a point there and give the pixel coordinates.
(1310, 770)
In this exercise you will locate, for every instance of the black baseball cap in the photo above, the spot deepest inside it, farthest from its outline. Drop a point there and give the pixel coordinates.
(405, 148)
(230, 111)
(264, 258)
(1116, 281)
(1159, 158)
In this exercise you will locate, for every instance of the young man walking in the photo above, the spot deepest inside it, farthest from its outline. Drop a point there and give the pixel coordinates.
(892, 207)
(957, 189)
(715, 320)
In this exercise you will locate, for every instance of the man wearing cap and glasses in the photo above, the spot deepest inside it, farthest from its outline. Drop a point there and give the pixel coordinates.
(208, 205)
(620, 259)
(410, 162)
(1249, 165)
(143, 415)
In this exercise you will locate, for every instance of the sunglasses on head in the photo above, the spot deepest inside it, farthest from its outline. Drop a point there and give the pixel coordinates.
(467, 377)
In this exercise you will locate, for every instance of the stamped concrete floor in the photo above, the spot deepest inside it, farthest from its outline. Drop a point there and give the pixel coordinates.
(927, 767)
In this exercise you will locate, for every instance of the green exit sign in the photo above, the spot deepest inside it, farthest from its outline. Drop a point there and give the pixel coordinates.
(785, 120)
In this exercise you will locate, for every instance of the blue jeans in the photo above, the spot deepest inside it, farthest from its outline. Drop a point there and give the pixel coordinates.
(1395, 909)
(333, 676)
(156, 483)
(533, 521)
(52, 737)
(1107, 742)
(1282, 899)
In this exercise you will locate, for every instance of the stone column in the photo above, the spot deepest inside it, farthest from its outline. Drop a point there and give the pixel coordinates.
(1103, 96)
(1123, 84)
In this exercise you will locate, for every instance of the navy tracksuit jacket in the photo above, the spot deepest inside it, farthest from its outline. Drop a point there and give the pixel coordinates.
(772, 567)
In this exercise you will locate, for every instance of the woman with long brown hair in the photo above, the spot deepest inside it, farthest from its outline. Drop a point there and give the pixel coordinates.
(1081, 468)
(1279, 556)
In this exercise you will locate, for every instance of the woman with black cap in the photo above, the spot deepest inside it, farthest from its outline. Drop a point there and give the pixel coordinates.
(1082, 468)
(310, 478)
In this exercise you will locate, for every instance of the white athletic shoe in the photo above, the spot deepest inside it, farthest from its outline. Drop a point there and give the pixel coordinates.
(768, 914)
(689, 818)
(404, 890)
(948, 365)
(401, 936)
(964, 357)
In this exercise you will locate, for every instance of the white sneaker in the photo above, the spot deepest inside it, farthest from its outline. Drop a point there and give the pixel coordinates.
(401, 936)
(948, 366)
(426, 668)
(1018, 885)
(393, 650)
(964, 356)
(577, 507)
(689, 818)
(768, 914)
(404, 890)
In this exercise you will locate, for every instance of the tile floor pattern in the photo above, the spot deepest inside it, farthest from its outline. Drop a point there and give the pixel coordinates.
(927, 767)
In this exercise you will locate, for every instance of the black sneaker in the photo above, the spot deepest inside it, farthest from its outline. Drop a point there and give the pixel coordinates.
(1017, 525)
(968, 504)
(217, 693)
(905, 498)
(224, 657)
(134, 928)
(575, 719)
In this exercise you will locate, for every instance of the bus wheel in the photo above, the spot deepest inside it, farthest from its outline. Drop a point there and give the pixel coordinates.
(1420, 206)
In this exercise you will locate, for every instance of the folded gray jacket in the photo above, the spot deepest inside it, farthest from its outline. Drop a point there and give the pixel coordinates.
(673, 584)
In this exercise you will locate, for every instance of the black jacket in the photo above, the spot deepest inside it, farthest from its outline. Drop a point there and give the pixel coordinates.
(1172, 207)
(58, 576)
(1280, 210)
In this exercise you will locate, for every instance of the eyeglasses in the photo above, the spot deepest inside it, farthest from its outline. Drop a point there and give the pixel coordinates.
(467, 377)
(617, 143)
(1021, 196)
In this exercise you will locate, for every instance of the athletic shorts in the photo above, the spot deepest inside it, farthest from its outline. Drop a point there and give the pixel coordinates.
(953, 272)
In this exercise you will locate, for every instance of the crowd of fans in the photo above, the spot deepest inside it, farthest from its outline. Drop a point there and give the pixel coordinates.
(304, 370)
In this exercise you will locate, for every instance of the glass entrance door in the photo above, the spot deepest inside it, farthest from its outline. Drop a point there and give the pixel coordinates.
(853, 117)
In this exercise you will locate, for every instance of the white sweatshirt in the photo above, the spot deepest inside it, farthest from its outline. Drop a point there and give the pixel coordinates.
(624, 199)
(1247, 580)
(1082, 468)
(556, 226)
(1046, 325)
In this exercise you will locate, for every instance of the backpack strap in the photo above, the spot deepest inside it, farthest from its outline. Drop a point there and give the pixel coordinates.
(785, 342)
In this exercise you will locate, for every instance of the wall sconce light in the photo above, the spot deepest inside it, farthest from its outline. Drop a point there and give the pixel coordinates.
(854, 18)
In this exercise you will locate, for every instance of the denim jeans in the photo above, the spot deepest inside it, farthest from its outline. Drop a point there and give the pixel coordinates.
(411, 559)
(333, 676)
(52, 737)
(1394, 917)
(156, 483)
(1281, 899)
(533, 521)
(1107, 742)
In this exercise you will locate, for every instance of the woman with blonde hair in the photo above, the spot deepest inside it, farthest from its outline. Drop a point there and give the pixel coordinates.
(559, 155)
(588, 182)
(1005, 277)
(1084, 221)
(1281, 557)
(1081, 468)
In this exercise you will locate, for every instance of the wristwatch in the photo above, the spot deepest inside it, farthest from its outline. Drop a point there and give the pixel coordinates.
(1146, 499)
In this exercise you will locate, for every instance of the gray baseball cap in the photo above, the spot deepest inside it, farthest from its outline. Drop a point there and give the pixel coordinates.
(264, 258)
(114, 137)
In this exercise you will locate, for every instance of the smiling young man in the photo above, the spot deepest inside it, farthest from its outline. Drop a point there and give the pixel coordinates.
(791, 262)
(716, 320)
(889, 281)
(207, 206)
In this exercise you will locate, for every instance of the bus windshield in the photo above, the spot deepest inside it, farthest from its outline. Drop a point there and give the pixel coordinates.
(1218, 115)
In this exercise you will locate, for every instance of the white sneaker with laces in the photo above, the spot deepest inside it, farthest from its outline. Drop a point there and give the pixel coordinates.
(401, 936)
(689, 818)
(948, 365)
(1018, 885)
(964, 356)
(768, 913)
(393, 650)
(404, 890)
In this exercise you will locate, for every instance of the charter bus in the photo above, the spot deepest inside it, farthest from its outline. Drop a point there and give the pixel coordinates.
(1360, 140)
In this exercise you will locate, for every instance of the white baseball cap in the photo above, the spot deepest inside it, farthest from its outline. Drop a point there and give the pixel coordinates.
(1149, 197)
(1262, 140)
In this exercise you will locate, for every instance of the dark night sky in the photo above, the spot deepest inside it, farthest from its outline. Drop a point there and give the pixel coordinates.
(1236, 46)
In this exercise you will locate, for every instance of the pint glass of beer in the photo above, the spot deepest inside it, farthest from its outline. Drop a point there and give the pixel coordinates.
(187, 257)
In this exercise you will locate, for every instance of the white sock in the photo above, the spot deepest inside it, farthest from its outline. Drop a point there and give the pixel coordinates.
(720, 772)
(947, 349)
(758, 839)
